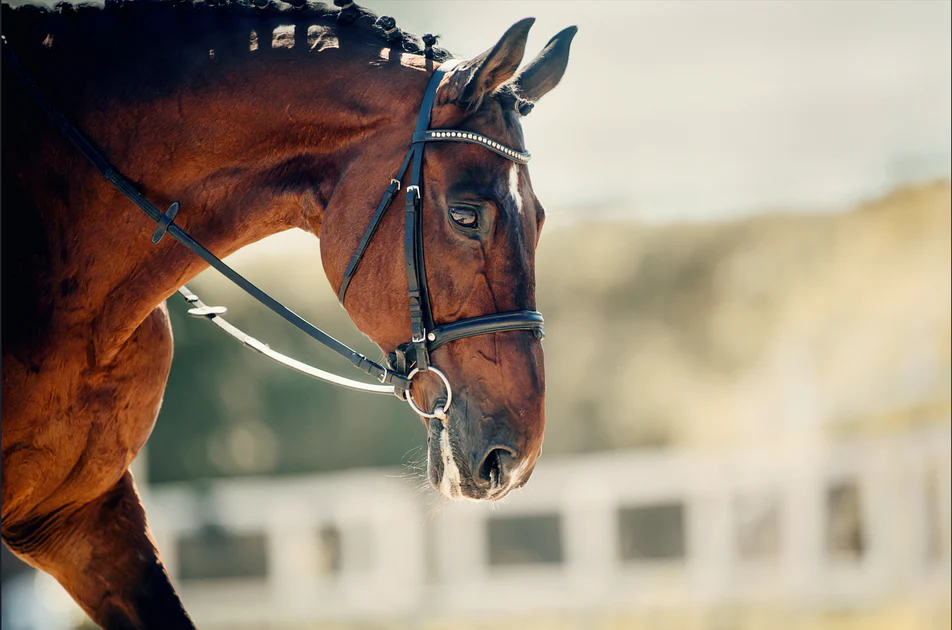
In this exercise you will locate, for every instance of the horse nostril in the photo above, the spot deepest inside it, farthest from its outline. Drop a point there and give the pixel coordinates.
(494, 469)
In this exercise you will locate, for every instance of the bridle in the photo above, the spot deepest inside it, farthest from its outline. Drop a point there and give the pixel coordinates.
(413, 357)
(410, 358)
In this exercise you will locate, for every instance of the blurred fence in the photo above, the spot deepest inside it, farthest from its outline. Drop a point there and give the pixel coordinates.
(800, 528)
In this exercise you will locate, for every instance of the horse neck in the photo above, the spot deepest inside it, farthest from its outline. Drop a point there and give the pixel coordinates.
(249, 151)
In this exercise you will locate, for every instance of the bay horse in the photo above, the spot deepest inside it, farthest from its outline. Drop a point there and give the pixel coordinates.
(257, 118)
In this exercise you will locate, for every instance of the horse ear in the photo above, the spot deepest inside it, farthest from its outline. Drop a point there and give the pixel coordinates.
(475, 78)
(545, 71)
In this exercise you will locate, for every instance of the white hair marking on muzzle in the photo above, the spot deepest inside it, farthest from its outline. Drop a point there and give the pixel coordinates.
(450, 483)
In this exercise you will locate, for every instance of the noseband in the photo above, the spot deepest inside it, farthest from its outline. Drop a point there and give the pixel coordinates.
(410, 358)
(413, 357)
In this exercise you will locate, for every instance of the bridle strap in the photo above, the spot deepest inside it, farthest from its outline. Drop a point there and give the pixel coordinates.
(421, 317)
(485, 324)
(421, 313)
(199, 309)
(453, 135)
(388, 198)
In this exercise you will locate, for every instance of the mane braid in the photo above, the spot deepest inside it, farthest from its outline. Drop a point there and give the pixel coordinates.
(130, 27)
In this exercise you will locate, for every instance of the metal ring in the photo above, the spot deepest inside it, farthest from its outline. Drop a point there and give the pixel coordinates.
(449, 395)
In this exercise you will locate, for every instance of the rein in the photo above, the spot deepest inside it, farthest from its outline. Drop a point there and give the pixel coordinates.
(410, 358)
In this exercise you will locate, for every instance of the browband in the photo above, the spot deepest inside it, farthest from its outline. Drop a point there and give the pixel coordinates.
(451, 135)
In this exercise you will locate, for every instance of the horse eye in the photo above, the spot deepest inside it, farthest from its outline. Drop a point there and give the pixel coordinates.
(465, 217)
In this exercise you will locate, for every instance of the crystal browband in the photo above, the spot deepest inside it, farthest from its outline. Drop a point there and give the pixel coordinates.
(436, 135)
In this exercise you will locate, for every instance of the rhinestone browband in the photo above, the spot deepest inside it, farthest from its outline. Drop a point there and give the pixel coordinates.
(436, 135)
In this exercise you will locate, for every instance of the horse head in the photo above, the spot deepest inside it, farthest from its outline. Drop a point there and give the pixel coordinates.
(481, 223)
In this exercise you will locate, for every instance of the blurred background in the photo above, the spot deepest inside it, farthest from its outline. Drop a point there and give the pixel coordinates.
(745, 274)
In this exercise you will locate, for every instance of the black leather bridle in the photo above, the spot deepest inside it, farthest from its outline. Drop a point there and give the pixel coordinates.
(410, 358)
(426, 336)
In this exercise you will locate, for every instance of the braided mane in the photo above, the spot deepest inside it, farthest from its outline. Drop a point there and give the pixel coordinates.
(124, 31)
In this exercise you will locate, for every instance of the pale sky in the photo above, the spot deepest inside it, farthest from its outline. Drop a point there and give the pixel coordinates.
(683, 110)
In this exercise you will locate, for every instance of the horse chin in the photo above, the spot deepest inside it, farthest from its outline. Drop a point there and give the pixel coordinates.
(450, 477)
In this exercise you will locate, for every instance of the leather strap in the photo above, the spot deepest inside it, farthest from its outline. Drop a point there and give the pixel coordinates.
(419, 305)
(485, 324)
(214, 315)
(388, 198)
(421, 318)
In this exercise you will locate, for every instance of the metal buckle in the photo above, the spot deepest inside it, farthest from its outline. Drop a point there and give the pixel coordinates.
(441, 414)
(397, 182)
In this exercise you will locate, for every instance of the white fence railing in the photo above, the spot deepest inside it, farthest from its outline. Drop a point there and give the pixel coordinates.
(811, 524)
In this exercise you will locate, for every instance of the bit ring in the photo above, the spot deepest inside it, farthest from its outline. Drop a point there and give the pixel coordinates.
(449, 395)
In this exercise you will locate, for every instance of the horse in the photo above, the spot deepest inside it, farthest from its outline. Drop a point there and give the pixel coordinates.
(256, 117)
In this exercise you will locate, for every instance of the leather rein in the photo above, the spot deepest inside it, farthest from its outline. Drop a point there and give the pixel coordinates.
(410, 358)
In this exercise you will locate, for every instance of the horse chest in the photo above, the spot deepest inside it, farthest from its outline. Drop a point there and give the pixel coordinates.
(70, 431)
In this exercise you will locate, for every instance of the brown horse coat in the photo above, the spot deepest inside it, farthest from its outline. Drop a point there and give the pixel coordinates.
(250, 143)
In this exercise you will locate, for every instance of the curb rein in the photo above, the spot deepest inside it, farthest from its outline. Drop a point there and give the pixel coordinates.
(410, 358)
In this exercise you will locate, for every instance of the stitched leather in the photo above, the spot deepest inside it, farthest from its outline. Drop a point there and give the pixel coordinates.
(485, 324)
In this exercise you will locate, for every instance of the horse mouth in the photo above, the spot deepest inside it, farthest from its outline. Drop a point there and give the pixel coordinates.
(450, 474)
